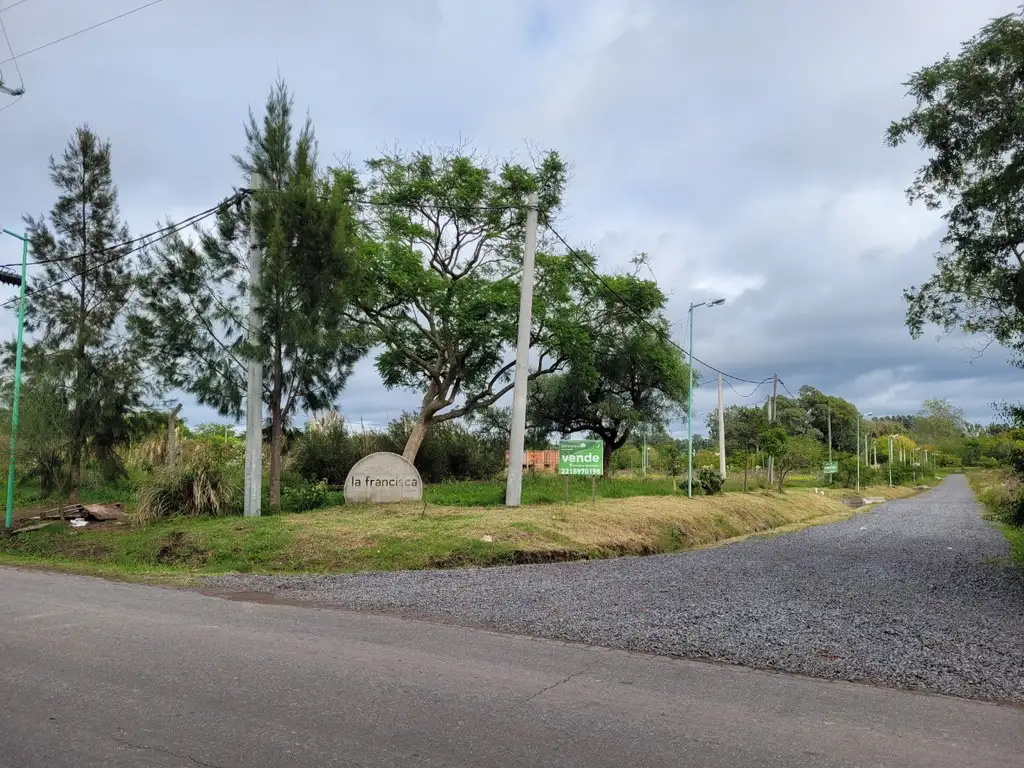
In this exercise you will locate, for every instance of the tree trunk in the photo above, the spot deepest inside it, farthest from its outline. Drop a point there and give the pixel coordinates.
(76, 448)
(276, 440)
(609, 449)
(416, 436)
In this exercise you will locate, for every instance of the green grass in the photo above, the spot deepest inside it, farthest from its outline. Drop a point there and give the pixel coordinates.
(414, 536)
(992, 487)
(547, 489)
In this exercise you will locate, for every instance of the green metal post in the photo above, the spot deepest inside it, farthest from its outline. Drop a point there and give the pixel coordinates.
(689, 420)
(9, 516)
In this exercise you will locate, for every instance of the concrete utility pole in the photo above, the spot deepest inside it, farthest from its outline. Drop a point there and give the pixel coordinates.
(830, 438)
(721, 429)
(517, 438)
(254, 394)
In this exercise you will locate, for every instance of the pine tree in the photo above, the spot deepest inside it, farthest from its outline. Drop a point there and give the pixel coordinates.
(77, 305)
(194, 294)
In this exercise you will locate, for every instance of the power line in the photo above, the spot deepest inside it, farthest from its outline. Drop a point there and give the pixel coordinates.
(787, 389)
(643, 318)
(140, 239)
(156, 236)
(12, 5)
(752, 392)
(81, 31)
(17, 68)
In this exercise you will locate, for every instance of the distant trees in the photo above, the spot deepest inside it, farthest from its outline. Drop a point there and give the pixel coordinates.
(623, 372)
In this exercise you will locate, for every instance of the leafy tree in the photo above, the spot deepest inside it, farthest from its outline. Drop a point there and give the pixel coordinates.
(744, 426)
(795, 454)
(843, 414)
(969, 115)
(43, 432)
(441, 289)
(195, 292)
(76, 309)
(940, 423)
(626, 372)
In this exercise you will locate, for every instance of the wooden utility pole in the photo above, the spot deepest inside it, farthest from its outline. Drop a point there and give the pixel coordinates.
(171, 459)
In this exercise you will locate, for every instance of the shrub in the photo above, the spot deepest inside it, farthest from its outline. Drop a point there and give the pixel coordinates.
(199, 486)
(304, 497)
(709, 480)
(327, 454)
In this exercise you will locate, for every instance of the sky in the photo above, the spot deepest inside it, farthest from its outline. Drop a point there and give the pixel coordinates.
(739, 143)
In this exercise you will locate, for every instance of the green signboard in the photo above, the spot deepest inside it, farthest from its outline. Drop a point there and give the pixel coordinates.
(831, 467)
(580, 457)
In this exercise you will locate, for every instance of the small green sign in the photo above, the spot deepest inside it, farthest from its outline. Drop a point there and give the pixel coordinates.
(831, 467)
(580, 457)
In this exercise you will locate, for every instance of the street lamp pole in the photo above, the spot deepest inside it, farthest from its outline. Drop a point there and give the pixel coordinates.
(9, 514)
(859, 417)
(689, 411)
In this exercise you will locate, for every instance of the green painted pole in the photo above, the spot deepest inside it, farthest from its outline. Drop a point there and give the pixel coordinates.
(689, 420)
(9, 516)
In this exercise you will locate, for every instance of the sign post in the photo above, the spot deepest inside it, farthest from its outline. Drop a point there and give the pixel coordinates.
(581, 457)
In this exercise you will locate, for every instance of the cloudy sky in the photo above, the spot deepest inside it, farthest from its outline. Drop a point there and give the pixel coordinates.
(738, 142)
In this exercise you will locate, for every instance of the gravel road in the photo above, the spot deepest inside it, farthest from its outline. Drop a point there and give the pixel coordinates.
(915, 594)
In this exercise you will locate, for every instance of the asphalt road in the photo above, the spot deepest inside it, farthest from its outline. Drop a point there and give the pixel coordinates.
(103, 674)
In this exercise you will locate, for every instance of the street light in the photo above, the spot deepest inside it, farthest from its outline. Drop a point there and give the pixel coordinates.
(689, 412)
(867, 415)
(891, 438)
(9, 516)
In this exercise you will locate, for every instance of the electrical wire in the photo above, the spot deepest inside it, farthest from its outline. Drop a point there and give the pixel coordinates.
(140, 239)
(381, 204)
(752, 392)
(643, 318)
(147, 241)
(787, 389)
(79, 32)
(12, 5)
(12, 103)
(17, 67)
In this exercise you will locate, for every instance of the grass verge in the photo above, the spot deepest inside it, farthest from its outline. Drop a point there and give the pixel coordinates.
(993, 487)
(398, 537)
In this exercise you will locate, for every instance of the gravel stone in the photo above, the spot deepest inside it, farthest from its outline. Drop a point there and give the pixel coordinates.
(919, 594)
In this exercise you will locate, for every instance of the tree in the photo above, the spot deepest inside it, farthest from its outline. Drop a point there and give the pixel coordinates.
(625, 372)
(744, 426)
(195, 292)
(969, 115)
(940, 423)
(76, 309)
(796, 453)
(843, 414)
(441, 289)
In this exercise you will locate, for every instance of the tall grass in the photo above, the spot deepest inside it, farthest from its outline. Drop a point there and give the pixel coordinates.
(199, 486)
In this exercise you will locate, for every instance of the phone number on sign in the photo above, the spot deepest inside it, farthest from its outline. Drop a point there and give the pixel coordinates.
(581, 471)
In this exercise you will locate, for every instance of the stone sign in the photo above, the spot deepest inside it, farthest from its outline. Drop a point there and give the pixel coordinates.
(382, 478)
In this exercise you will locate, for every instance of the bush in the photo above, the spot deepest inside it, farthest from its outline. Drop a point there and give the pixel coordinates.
(304, 497)
(199, 486)
(449, 452)
(847, 475)
(327, 454)
(709, 480)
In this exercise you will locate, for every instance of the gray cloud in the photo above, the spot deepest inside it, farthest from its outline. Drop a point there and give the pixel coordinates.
(740, 144)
